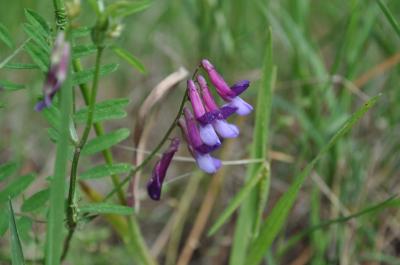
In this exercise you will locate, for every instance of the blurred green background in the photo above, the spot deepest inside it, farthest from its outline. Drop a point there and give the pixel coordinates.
(331, 56)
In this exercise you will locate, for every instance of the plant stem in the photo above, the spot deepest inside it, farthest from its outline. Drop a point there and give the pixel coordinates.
(153, 153)
(57, 186)
(61, 14)
(98, 128)
(71, 207)
(138, 243)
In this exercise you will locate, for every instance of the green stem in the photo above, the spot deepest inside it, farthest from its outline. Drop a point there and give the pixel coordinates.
(138, 243)
(71, 210)
(57, 186)
(153, 153)
(98, 128)
(61, 14)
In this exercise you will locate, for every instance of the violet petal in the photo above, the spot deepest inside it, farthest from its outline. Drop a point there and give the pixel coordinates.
(225, 129)
(208, 135)
(240, 87)
(242, 107)
(160, 170)
(218, 81)
(207, 163)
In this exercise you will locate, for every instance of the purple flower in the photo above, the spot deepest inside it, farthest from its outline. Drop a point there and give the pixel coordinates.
(57, 73)
(223, 128)
(206, 130)
(160, 170)
(229, 94)
(199, 150)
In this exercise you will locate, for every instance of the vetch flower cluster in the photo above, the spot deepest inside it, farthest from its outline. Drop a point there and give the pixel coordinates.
(57, 73)
(205, 128)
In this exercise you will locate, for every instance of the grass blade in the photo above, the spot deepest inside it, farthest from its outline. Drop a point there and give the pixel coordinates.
(275, 221)
(17, 256)
(392, 20)
(388, 203)
(249, 210)
(237, 200)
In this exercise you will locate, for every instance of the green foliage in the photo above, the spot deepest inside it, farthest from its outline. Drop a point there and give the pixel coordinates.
(7, 170)
(55, 226)
(250, 211)
(10, 86)
(36, 201)
(79, 51)
(390, 17)
(277, 217)
(5, 36)
(105, 208)
(37, 21)
(22, 66)
(16, 187)
(35, 35)
(105, 171)
(80, 32)
(238, 199)
(39, 56)
(4, 220)
(125, 8)
(105, 141)
(106, 110)
(132, 60)
(85, 76)
(17, 256)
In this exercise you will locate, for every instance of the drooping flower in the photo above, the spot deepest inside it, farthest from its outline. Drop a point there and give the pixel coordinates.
(228, 94)
(154, 185)
(223, 128)
(206, 130)
(199, 150)
(57, 73)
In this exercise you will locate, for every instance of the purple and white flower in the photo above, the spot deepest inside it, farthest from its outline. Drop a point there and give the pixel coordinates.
(199, 150)
(223, 128)
(154, 185)
(229, 94)
(206, 130)
(57, 73)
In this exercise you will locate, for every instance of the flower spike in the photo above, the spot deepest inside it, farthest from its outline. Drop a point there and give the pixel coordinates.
(57, 73)
(154, 185)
